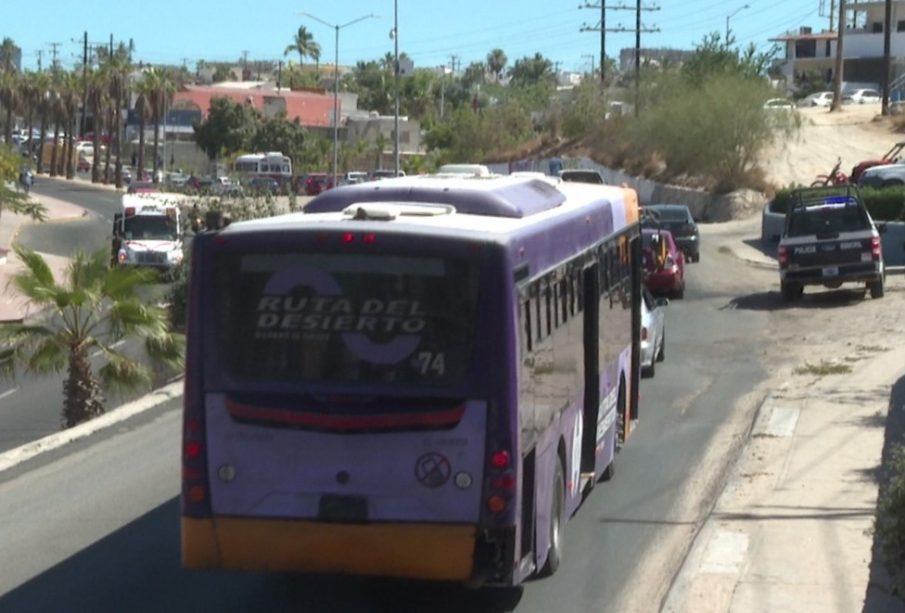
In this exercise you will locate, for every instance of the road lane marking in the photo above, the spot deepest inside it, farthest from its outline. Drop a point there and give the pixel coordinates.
(9, 393)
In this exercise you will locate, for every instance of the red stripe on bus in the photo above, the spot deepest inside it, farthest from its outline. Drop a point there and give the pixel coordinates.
(345, 422)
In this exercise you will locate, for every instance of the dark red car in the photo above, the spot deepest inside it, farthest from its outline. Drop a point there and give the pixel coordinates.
(664, 263)
(318, 182)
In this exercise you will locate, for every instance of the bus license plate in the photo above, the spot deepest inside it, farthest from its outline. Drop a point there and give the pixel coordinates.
(343, 508)
(831, 271)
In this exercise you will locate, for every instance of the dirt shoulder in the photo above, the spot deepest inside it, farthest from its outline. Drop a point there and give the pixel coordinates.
(855, 133)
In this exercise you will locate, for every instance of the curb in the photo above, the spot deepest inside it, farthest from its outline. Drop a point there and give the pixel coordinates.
(676, 598)
(11, 458)
(764, 265)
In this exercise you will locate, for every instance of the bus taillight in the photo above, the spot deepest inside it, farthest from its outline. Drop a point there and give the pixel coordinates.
(496, 504)
(504, 482)
(500, 459)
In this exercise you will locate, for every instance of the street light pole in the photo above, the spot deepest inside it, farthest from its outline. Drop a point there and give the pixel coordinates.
(396, 86)
(730, 16)
(336, 28)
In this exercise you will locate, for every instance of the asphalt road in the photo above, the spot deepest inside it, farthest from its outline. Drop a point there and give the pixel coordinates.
(95, 526)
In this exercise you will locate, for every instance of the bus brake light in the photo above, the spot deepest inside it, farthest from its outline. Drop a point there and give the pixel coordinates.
(348, 237)
(192, 450)
(500, 459)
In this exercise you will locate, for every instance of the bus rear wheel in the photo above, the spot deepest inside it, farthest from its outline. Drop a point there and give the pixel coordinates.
(557, 507)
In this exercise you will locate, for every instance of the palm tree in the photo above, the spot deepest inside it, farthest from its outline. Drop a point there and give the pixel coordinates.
(98, 88)
(96, 308)
(9, 98)
(496, 62)
(70, 92)
(42, 85)
(161, 89)
(143, 96)
(8, 51)
(117, 68)
(303, 44)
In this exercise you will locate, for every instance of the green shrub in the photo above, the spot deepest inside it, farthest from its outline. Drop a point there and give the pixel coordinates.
(890, 522)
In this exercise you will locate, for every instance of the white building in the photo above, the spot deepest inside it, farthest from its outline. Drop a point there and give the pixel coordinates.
(863, 42)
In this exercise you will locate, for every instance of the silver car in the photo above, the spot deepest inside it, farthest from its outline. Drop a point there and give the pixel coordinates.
(653, 332)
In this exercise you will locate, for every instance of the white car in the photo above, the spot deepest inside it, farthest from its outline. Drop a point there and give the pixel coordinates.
(861, 96)
(818, 99)
(779, 104)
(653, 332)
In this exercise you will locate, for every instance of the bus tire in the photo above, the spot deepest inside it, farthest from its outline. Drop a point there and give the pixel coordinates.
(557, 510)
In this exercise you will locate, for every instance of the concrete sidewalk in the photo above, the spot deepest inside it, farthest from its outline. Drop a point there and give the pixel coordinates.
(14, 307)
(793, 527)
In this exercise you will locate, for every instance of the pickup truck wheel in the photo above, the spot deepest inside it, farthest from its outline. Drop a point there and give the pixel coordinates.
(876, 288)
(791, 291)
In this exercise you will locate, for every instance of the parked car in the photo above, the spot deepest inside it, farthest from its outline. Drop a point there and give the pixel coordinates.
(861, 96)
(142, 187)
(262, 186)
(582, 175)
(886, 175)
(355, 176)
(676, 218)
(317, 182)
(818, 99)
(382, 173)
(664, 263)
(653, 331)
(176, 179)
(893, 156)
(779, 104)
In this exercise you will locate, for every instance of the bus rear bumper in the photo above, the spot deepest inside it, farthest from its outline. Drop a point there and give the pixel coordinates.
(440, 552)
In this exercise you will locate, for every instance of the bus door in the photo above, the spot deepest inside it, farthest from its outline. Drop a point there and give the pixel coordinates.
(591, 330)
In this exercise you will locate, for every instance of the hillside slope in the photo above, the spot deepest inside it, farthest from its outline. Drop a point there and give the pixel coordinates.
(855, 133)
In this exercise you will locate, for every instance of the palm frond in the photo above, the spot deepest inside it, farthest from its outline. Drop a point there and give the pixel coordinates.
(122, 283)
(167, 348)
(48, 356)
(123, 373)
(18, 342)
(88, 272)
(36, 282)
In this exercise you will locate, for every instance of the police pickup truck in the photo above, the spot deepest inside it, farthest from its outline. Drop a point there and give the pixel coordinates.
(829, 239)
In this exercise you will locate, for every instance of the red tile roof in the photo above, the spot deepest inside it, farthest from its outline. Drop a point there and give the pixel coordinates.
(311, 108)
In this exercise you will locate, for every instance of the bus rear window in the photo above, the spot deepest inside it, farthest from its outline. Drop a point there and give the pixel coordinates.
(344, 318)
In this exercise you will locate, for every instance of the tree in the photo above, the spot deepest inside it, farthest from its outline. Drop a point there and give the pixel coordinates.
(8, 51)
(228, 129)
(10, 199)
(143, 93)
(474, 75)
(280, 134)
(533, 71)
(496, 63)
(161, 89)
(303, 44)
(98, 101)
(97, 307)
(222, 73)
(70, 96)
(9, 98)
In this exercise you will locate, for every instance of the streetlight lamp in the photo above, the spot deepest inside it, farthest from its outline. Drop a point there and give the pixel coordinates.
(730, 16)
(337, 28)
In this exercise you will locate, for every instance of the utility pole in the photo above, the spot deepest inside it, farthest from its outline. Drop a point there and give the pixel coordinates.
(453, 59)
(590, 57)
(840, 63)
(887, 26)
(280, 76)
(601, 26)
(82, 124)
(40, 53)
(245, 65)
(53, 50)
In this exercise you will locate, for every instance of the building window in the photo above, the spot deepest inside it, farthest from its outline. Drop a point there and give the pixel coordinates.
(806, 48)
(877, 27)
(900, 26)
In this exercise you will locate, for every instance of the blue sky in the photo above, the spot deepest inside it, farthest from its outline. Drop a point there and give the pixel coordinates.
(431, 32)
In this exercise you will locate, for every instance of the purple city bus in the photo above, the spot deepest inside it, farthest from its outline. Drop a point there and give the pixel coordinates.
(420, 377)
